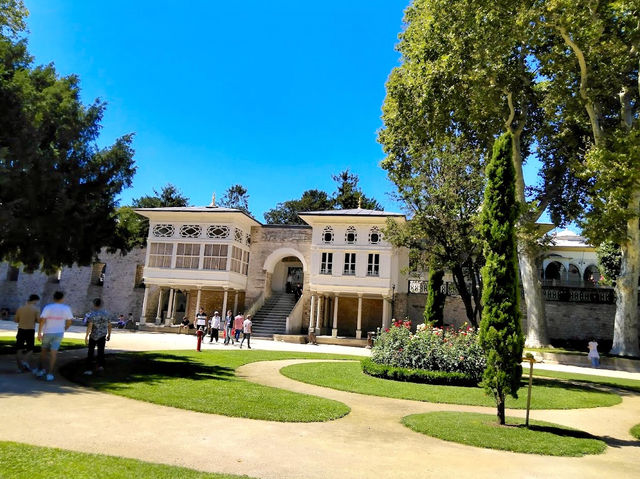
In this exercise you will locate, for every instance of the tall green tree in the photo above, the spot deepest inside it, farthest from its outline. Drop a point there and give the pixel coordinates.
(349, 195)
(441, 189)
(434, 307)
(500, 332)
(466, 73)
(286, 213)
(135, 228)
(591, 62)
(58, 190)
(236, 197)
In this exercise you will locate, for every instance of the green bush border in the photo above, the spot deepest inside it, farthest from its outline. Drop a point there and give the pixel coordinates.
(422, 376)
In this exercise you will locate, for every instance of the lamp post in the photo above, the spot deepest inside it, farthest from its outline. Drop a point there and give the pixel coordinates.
(393, 301)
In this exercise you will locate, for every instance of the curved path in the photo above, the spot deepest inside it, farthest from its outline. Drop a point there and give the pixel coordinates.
(369, 442)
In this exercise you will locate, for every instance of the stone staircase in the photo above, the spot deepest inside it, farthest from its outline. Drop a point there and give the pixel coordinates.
(272, 317)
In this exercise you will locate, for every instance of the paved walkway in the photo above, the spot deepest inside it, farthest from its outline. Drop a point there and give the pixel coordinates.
(368, 442)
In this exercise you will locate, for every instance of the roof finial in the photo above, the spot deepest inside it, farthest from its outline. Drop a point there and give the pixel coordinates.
(360, 201)
(213, 200)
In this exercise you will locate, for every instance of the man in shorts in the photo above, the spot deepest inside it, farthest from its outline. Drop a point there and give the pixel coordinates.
(55, 319)
(98, 333)
(246, 331)
(27, 316)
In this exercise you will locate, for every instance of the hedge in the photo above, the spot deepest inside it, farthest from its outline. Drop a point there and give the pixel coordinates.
(416, 375)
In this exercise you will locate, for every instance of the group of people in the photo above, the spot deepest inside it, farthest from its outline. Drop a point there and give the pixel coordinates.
(231, 325)
(54, 319)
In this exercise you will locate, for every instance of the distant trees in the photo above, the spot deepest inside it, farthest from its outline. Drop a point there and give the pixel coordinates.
(236, 197)
(348, 195)
(58, 190)
(500, 331)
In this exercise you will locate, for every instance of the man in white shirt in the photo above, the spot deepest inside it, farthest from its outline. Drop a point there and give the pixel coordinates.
(55, 319)
(246, 330)
(214, 325)
(201, 321)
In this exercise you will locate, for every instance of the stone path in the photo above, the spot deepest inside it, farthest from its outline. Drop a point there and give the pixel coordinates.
(368, 442)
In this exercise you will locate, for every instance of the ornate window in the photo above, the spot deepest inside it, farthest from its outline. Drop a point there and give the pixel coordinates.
(374, 235)
(238, 235)
(327, 235)
(160, 255)
(247, 239)
(218, 231)
(215, 257)
(163, 231)
(351, 235)
(190, 231)
(187, 255)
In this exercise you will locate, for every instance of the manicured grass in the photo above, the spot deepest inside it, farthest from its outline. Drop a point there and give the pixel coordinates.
(635, 431)
(206, 382)
(23, 461)
(622, 383)
(481, 430)
(546, 394)
(8, 343)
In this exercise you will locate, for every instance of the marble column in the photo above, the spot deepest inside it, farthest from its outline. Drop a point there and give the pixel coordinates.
(319, 314)
(223, 313)
(334, 331)
(159, 312)
(359, 324)
(386, 312)
(168, 320)
(312, 311)
(145, 299)
(198, 298)
(235, 304)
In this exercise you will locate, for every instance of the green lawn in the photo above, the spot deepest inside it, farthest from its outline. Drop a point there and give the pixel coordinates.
(206, 382)
(635, 431)
(22, 461)
(546, 394)
(629, 384)
(481, 430)
(8, 343)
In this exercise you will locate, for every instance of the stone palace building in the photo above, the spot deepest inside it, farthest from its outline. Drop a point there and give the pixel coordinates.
(352, 281)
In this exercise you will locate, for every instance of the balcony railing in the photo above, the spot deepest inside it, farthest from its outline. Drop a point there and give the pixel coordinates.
(571, 294)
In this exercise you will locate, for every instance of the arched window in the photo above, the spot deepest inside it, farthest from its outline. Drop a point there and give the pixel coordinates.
(374, 235)
(555, 271)
(591, 275)
(573, 275)
(351, 235)
(327, 235)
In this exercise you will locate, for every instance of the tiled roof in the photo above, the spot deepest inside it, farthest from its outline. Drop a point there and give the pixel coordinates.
(352, 212)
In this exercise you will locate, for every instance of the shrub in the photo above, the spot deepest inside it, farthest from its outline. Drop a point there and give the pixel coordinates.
(431, 349)
(416, 375)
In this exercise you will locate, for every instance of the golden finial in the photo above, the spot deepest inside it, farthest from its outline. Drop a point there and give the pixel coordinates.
(360, 202)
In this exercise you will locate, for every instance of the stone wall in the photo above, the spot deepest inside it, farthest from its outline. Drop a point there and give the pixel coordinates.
(119, 291)
(565, 320)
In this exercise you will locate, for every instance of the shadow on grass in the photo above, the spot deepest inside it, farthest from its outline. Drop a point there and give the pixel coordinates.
(149, 368)
(559, 431)
(559, 384)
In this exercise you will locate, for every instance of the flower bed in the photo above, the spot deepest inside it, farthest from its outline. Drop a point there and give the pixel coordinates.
(429, 349)
(416, 375)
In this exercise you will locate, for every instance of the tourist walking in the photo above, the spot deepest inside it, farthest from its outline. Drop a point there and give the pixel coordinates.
(593, 355)
(237, 325)
(55, 319)
(98, 333)
(201, 321)
(228, 328)
(27, 316)
(246, 331)
(214, 323)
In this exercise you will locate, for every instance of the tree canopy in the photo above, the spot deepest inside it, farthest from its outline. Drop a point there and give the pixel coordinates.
(236, 197)
(58, 189)
(348, 195)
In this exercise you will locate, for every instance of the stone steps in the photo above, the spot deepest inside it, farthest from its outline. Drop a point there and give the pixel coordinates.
(272, 317)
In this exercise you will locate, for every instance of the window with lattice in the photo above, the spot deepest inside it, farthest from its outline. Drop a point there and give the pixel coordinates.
(160, 255)
(238, 235)
(163, 231)
(375, 237)
(327, 235)
(351, 235)
(218, 232)
(215, 257)
(190, 231)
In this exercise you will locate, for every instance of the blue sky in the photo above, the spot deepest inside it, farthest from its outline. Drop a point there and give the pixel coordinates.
(276, 95)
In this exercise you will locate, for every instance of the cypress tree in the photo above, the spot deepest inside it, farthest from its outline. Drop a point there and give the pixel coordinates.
(500, 332)
(434, 308)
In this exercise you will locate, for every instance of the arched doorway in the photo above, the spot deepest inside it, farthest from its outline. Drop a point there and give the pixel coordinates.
(555, 272)
(591, 275)
(285, 269)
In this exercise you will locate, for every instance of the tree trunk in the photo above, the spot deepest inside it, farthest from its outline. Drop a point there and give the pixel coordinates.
(461, 286)
(537, 335)
(500, 409)
(625, 329)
